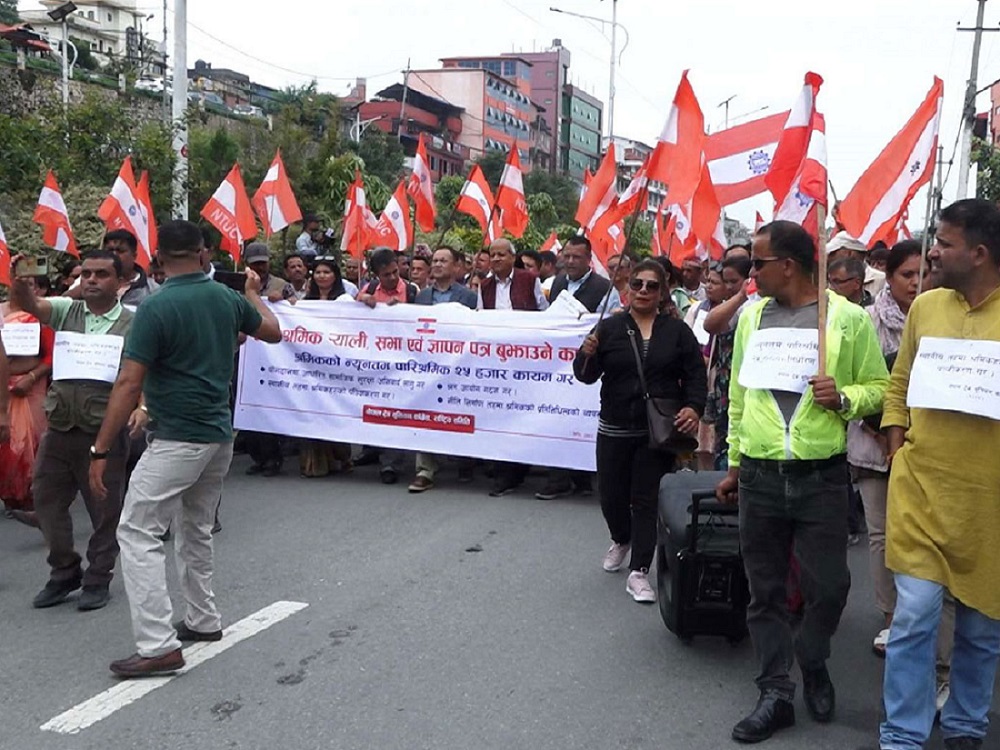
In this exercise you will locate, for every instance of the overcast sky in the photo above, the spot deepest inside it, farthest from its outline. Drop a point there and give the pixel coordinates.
(877, 56)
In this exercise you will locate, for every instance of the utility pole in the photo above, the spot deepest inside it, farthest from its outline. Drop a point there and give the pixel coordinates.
(180, 201)
(402, 106)
(166, 91)
(969, 111)
(614, 54)
(65, 65)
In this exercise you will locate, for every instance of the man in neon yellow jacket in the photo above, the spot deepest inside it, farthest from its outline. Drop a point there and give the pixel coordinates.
(788, 465)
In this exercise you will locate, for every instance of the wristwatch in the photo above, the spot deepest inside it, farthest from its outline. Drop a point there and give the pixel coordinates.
(845, 404)
(96, 455)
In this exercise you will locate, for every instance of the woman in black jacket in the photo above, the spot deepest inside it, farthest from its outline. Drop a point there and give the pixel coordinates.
(628, 470)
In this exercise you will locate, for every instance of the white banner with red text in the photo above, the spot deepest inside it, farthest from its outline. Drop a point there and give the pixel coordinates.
(444, 379)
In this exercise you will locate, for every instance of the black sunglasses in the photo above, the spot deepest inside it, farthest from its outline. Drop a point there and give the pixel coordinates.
(759, 263)
(637, 285)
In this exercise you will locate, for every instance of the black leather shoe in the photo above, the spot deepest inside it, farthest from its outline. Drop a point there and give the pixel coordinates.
(817, 691)
(184, 633)
(962, 743)
(771, 714)
(93, 597)
(388, 476)
(55, 592)
(254, 469)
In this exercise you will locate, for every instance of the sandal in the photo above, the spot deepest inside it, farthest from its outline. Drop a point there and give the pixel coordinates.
(881, 641)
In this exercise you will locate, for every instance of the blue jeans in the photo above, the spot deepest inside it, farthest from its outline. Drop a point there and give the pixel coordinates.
(909, 689)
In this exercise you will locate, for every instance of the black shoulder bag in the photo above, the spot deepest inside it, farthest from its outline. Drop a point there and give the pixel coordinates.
(661, 413)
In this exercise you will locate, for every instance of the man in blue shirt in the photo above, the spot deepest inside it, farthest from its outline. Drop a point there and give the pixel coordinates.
(446, 265)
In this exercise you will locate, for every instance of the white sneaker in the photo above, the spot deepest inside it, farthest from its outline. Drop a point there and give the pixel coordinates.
(943, 694)
(614, 558)
(638, 586)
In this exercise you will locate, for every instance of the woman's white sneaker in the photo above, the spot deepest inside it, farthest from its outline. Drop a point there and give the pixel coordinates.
(614, 558)
(638, 586)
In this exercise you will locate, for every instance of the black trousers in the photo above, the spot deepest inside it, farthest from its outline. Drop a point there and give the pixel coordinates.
(264, 448)
(62, 469)
(628, 478)
(805, 511)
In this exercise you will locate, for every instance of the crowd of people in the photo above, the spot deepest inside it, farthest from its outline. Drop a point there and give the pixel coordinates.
(149, 454)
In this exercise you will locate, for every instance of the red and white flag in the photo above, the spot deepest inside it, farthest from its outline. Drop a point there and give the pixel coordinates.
(607, 241)
(677, 159)
(600, 193)
(758, 223)
(229, 211)
(53, 217)
(552, 243)
(476, 200)
(634, 198)
(511, 203)
(122, 209)
(274, 200)
(359, 221)
(739, 157)
(146, 204)
(5, 259)
(394, 228)
(421, 188)
(798, 178)
(875, 207)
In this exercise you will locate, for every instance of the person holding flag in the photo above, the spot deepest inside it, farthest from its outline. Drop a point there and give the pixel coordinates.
(788, 468)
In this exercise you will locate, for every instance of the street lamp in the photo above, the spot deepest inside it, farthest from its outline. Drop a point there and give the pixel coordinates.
(58, 15)
(614, 55)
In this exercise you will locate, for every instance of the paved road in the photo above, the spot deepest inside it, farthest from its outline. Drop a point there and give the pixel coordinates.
(445, 620)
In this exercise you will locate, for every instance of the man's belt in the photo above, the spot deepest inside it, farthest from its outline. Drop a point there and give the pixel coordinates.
(786, 468)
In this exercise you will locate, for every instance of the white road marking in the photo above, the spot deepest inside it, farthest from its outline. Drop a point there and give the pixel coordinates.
(129, 691)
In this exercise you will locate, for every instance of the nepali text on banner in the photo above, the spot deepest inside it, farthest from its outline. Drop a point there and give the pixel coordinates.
(442, 379)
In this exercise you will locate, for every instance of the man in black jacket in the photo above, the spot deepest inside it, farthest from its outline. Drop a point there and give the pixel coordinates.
(578, 278)
(595, 293)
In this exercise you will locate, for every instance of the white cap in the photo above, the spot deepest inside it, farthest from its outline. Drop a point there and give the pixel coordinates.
(843, 240)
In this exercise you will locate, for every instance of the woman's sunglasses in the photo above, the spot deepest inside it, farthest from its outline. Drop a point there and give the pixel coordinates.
(637, 285)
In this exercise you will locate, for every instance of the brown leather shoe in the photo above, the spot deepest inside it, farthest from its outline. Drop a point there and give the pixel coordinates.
(140, 666)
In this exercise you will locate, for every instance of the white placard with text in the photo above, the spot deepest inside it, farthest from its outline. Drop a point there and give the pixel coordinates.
(960, 375)
(79, 356)
(698, 328)
(780, 359)
(21, 339)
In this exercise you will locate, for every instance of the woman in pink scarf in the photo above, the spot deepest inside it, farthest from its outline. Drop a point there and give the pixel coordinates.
(29, 381)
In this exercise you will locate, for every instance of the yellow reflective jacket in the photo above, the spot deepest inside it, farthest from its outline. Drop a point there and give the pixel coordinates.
(854, 359)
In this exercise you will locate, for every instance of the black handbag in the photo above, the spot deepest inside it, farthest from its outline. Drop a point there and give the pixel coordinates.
(660, 414)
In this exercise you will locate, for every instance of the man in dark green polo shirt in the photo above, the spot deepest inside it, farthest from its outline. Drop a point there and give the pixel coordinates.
(180, 356)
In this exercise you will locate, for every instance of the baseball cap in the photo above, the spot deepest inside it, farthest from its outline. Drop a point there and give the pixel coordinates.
(255, 252)
(841, 241)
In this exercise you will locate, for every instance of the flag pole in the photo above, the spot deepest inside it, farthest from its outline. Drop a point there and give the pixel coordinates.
(933, 196)
(489, 223)
(821, 271)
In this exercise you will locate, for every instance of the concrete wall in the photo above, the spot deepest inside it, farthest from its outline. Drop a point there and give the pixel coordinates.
(24, 92)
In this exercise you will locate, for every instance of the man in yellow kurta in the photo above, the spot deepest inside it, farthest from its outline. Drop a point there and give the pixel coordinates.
(943, 528)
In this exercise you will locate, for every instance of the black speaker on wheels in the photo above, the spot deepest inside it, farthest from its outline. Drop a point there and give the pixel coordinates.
(701, 584)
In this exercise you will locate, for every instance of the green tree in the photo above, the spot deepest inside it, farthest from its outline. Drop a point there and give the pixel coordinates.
(8, 12)
(987, 159)
(212, 154)
(382, 155)
(492, 164)
(565, 193)
(84, 57)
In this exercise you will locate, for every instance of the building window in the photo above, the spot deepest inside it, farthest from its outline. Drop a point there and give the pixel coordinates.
(90, 15)
(110, 18)
(509, 68)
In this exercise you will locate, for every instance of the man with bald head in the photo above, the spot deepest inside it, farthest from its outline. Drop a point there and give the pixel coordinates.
(509, 288)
